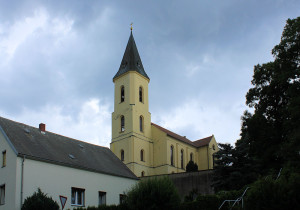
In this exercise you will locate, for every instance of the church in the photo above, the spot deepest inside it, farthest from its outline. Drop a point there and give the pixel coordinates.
(146, 148)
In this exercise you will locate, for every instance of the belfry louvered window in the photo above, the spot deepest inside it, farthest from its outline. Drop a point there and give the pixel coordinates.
(122, 94)
(141, 94)
(122, 123)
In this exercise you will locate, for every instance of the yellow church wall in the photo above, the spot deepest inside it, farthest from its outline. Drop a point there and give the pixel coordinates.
(154, 142)
(202, 158)
(160, 156)
(147, 164)
(178, 146)
(131, 108)
(206, 155)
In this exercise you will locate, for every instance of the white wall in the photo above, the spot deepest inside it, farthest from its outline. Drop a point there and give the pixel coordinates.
(58, 180)
(8, 173)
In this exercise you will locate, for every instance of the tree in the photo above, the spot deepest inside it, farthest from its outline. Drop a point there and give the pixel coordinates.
(274, 128)
(191, 166)
(270, 135)
(39, 200)
(223, 167)
(153, 193)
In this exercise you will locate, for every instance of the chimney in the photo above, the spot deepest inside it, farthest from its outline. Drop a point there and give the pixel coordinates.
(42, 127)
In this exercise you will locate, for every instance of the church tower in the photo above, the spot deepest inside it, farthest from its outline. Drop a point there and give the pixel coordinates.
(131, 120)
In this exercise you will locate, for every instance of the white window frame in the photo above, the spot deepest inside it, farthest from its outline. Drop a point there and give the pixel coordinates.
(102, 198)
(75, 200)
(2, 194)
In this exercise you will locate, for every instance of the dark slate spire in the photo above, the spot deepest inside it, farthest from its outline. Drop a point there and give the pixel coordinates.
(131, 60)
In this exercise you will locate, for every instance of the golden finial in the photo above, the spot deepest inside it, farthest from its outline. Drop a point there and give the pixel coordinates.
(131, 26)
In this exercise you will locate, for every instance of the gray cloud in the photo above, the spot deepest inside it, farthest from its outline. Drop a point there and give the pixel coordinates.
(65, 53)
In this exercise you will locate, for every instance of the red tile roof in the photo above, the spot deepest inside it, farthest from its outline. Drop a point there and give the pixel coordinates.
(198, 143)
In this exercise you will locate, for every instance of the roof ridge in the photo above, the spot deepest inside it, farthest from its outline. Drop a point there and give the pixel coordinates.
(183, 138)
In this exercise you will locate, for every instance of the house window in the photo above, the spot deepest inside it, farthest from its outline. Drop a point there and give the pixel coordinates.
(143, 174)
(122, 123)
(122, 94)
(77, 196)
(214, 148)
(122, 155)
(122, 198)
(4, 158)
(2, 194)
(141, 94)
(181, 158)
(102, 198)
(141, 123)
(142, 155)
(172, 155)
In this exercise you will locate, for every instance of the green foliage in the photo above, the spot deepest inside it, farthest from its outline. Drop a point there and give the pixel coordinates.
(191, 166)
(268, 193)
(191, 196)
(153, 193)
(273, 131)
(39, 200)
(270, 135)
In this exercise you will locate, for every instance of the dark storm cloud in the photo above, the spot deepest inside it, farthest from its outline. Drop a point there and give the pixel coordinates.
(198, 55)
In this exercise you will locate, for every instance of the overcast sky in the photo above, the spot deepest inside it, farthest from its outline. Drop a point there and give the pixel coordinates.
(58, 58)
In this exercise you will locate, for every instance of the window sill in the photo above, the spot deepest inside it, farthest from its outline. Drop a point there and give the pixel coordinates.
(77, 205)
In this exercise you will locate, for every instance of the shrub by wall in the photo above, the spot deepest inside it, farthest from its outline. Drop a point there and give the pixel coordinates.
(39, 200)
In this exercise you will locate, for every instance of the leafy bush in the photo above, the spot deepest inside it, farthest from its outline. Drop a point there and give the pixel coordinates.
(191, 166)
(39, 200)
(153, 193)
(268, 193)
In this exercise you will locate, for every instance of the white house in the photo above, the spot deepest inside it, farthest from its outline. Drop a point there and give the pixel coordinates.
(83, 173)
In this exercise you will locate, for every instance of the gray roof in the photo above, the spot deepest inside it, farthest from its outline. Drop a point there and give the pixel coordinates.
(49, 147)
(131, 60)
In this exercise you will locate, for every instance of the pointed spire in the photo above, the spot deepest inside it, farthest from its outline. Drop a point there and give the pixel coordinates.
(131, 60)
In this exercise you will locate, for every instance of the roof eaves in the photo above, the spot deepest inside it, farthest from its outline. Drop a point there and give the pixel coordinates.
(8, 141)
(71, 165)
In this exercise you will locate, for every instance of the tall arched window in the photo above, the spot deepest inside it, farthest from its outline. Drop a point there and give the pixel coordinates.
(141, 123)
(141, 94)
(172, 155)
(122, 93)
(181, 158)
(142, 155)
(122, 155)
(122, 123)
(143, 174)
(191, 156)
